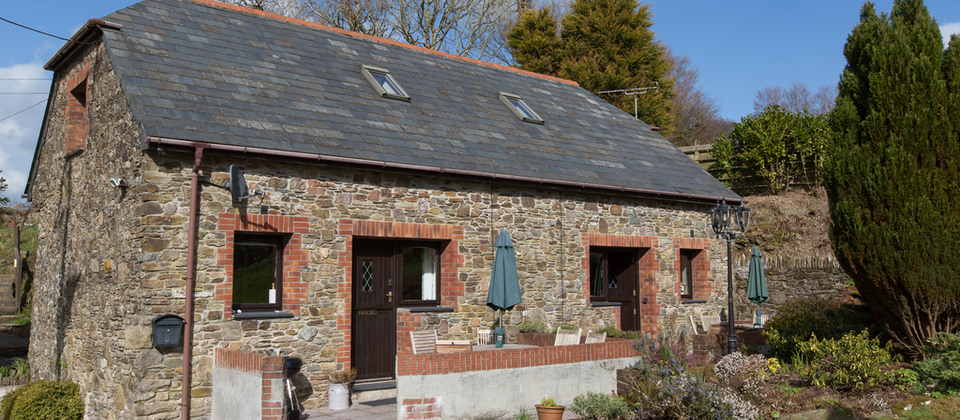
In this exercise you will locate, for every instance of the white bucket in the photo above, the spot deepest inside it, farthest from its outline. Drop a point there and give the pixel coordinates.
(339, 396)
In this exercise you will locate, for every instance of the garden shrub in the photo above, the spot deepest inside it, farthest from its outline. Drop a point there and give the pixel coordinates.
(6, 404)
(798, 319)
(664, 387)
(533, 327)
(44, 400)
(745, 374)
(941, 370)
(597, 406)
(854, 361)
(614, 332)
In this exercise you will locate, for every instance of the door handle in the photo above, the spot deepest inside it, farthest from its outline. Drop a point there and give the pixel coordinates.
(389, 297)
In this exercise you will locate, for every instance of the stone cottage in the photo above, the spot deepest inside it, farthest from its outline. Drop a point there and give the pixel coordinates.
(377, 176)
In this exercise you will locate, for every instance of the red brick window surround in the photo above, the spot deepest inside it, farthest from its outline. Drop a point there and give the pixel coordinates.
(77, 118)
(693, 252)
(647, 266)
(294, 257)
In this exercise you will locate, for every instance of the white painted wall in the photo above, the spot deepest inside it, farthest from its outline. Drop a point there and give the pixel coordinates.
(506, 391)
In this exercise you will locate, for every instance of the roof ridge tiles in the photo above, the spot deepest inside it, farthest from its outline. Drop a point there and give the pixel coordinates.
(315, 25)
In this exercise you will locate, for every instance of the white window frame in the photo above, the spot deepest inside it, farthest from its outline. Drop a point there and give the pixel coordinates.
(520, 108)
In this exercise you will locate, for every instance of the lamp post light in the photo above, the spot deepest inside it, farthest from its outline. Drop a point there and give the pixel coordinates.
(725, 221)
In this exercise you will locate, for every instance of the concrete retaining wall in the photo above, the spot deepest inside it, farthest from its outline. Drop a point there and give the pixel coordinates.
(503, 382)
(503, 392)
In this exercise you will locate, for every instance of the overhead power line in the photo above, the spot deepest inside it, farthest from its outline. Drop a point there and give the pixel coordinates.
(21, 111)
(31, 29)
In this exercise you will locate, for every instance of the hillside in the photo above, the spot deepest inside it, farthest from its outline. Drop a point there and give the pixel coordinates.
(791, 225)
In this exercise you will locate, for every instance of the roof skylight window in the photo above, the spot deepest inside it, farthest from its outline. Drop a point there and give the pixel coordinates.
(384, 83)
(520, 108)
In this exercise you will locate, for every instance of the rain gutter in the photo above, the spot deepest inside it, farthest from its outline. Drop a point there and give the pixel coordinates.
(316, 157)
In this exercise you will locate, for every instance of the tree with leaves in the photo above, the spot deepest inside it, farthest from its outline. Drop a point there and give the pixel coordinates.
(892, 172)
(779, 146)
(602, 45)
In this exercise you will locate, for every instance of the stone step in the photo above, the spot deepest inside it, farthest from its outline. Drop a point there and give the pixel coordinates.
(373, 391)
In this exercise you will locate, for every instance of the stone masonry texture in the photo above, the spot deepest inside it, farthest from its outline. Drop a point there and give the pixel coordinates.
(111, 259)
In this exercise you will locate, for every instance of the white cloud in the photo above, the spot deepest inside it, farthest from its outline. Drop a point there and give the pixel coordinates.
(948, 29)
(19, 133)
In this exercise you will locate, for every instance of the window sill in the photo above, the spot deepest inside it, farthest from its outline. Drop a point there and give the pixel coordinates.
(427, 309)
(684, 302)
(261, 315)
(603, 304)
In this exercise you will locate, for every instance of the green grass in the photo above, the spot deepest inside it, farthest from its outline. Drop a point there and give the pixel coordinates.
(28, 242)
(939, 408)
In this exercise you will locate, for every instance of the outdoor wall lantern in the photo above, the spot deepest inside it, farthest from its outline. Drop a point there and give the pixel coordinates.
(167, 330)
(725, 221)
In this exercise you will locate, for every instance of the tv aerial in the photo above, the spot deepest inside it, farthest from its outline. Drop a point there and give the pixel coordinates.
(635, 92)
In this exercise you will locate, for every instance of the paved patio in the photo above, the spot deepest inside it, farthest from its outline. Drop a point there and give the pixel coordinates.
(371, 410)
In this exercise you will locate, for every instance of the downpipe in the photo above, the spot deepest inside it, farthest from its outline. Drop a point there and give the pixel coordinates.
(188, 295)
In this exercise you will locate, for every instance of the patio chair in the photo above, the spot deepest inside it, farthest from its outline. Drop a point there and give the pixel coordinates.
(709, 320)
(484, 337)
(567, 337)
(593, 337)
(423, 341)
(693, 325)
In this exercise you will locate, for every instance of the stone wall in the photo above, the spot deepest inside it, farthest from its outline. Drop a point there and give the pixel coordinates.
(89, 312)
(788, 279)
(112, 259)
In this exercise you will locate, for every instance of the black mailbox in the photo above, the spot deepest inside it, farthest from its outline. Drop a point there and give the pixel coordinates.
(167, 330)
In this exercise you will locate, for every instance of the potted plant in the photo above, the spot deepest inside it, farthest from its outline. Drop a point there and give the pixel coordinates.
(548, 409)
(535, 333)
(339, 393)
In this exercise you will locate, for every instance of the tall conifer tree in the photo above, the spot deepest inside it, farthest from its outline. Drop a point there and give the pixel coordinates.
(603, 45)
(893, 172)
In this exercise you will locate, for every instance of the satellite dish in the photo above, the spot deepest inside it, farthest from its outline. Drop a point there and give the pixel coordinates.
(237, 184)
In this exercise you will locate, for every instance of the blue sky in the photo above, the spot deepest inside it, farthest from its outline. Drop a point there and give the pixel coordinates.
(739, 47)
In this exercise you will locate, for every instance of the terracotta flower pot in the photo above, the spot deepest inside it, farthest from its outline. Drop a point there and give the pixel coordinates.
(550, 413)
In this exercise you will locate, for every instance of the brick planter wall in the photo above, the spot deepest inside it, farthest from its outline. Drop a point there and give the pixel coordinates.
(272, 373)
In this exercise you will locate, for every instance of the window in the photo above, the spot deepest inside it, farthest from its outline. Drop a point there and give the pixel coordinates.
(686, 273)
(384, 83)
(598, 266)
(257, 272)
(420, 272)
(77, 120)
(520, 108)
(612, 274)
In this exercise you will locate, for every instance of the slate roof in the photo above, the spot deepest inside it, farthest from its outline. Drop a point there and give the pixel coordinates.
(200, 72)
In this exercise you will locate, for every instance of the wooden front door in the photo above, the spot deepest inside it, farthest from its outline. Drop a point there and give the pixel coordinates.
(374, 337)
(622, 284)
(614, 279)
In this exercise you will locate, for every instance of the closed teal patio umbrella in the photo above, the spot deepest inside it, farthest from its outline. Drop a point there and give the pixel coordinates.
(504, 291)
(756, 282)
